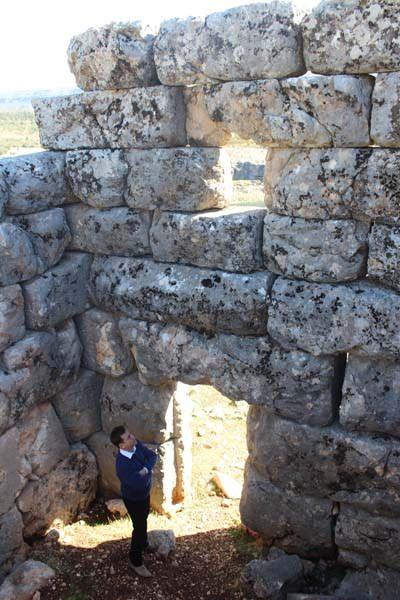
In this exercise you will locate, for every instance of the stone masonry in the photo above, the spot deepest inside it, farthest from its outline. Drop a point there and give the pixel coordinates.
(126, 274)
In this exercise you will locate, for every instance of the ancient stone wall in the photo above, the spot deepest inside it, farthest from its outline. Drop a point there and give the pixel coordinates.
(126, 270)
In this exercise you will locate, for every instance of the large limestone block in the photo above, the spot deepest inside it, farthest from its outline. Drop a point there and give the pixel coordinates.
(64, 493)
(247, 42)
(58, 294)
(327, 319)
(326, 462)
(36, 182)
(315, 250)
(97, 177)
(186, 179)
(334, 183)
(297, 524)
(371, 391)
(166, 178)
(105, 452)
(230, 239)
(293, 384)
(3, 189)
(103, 350)
(356, 36)
(378, 583)
(183, 409)
(34, 369)
(376, 537)
(118, 55)
(201, 298)
(42, 440)
(146, 410)
(18, 260)
(30, 244)
(12, 318)
(384, 255)
(139, 118)
(385, 119)
(119, 231)
(49, 234)
(311, 111)
(12, 547)
(13, 469)
(78, 406)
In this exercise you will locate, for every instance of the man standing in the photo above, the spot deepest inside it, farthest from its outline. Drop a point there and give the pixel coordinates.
(134, 465)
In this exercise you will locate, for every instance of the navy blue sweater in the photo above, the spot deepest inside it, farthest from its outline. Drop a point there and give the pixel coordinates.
(133, 485)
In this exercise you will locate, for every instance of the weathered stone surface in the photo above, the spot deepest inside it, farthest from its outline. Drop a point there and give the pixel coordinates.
(274, 578)
(230, 239)
(146, 410)
(26, 580)
(360, 36)
(334, 183)
(377, 583)
(187, 179)
(103, 350)
(301, 525)
(12, 547)
(183, 408)
(18, 260)
(105, 452)
(292, 384)
(314, 250)
(3, 189)
(327, 319)
(49, 234)
(31, 244)
(78, 406)
(64, 493)
(13, 470)
(201, 298)
(326, 463)
(42, 440)
(119, 55)
(58, 294)
(119, 231)
(247, 42)
(385, 121)
(311, 111)
(143, 118)
(34, 369)
(36, 182)
(12, 319)
(97, 177)
(377, 537)
(384, 255)
(166, 178)
(370, 400)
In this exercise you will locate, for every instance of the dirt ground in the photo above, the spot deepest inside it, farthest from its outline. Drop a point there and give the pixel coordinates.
(90, 556)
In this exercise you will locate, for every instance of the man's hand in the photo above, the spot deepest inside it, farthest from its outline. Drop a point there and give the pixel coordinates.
(143, 471)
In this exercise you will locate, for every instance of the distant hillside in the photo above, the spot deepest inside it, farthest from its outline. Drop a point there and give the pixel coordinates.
(21, 100)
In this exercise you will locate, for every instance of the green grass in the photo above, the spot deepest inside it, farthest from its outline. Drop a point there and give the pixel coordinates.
(246, 546)
(17, 130)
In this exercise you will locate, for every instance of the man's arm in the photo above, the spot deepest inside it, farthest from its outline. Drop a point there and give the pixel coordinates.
(150, 457)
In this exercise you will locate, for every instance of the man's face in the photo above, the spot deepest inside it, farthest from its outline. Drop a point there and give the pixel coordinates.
(128, 441)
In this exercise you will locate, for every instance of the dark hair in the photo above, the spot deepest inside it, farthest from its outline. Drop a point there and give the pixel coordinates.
(116, 435)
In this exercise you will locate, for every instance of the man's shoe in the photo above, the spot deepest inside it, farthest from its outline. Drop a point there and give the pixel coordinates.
(142, 571)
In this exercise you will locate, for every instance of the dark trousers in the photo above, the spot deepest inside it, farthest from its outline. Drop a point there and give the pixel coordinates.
(138, 511)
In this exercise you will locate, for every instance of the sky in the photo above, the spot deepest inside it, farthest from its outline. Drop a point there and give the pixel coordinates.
(34, 34)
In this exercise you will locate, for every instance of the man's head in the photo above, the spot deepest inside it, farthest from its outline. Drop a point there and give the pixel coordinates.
(122, 438)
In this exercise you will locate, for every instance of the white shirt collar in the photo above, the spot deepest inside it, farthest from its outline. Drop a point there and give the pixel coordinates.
(128, 454)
